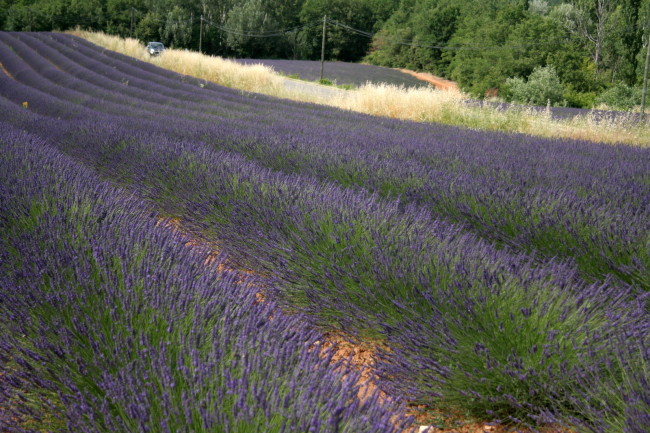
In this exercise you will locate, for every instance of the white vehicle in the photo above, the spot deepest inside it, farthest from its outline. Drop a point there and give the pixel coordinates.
(155, 48)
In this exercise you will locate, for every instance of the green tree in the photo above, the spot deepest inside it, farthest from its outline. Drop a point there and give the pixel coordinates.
(177, 30)
(542, 87)
(530, 44)
(121, 14)
(477, 59)
(250, 17)
(259, 28)
(631, 37)
(4, 12)
(590, 21)
(342, 43)
(150, 27)
(410, 37)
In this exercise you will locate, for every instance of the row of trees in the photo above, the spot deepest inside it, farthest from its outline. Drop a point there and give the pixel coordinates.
(581, 48)
(586, 51)
(243, 28)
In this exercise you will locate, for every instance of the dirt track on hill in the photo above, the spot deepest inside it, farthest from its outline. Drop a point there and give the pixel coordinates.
(438, 82)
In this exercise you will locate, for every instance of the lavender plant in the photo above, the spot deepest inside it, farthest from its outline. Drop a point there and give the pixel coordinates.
(330, 261)
(498, 332)
(114, 325)
(339, 72)
(621, 399)
(531, 194)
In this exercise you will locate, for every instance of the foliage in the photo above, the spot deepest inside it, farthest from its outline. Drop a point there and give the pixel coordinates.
(149, 28)
(177, 30)
(407, 38)
(593, 45)
(542, 87)
(258, 18)
(574, 98)
(620, 97)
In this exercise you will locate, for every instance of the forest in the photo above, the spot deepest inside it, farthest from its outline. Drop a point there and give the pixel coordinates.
(580, 53)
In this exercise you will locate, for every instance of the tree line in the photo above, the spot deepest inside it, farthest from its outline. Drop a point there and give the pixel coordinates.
(578, 53)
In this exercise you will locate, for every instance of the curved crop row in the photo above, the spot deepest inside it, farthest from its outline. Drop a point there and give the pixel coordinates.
(347, 261)
(342, 73)
(469, 324)
(582, 201)
(110, 323)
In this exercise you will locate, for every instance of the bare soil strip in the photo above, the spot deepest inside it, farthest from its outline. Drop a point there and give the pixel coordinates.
(362, 357)
(2, 68)
(439, 82)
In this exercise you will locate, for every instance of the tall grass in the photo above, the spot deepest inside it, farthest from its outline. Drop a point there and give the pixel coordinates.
(424, 104)
(253, 78)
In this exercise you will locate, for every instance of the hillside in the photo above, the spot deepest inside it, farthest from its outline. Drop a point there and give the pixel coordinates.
(575, 53)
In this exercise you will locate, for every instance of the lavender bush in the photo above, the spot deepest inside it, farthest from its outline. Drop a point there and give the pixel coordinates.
(532, 194)
(112, 324)
(341, 73)
(503, 333)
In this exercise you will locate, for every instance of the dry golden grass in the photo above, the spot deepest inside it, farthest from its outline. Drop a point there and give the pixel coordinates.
(423, 105)
(253, 78)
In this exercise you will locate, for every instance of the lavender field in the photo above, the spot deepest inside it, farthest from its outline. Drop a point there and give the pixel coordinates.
(501, 275)
(341, 73)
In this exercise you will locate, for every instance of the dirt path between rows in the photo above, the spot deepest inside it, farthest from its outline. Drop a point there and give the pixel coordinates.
(439, 82)
(361, 355)
(3, 69)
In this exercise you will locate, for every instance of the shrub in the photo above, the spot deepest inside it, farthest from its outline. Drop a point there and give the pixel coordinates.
(620, 97)
(579, 99)
(542, 87)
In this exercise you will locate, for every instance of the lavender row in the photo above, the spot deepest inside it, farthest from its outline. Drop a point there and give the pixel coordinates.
(341, 73)
(57, 73)
(436, 294)
(47, 76)
(584, 201)
(111, 324)
(212, 97)
(247, 233)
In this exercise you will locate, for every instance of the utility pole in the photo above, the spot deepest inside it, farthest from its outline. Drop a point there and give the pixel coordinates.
(201, 34)
(322, 48)
(645, 78)
(132, 19)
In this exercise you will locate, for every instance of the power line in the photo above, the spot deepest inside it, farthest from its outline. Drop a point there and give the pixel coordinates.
(105, 15)
(269, 34)
(436, 46)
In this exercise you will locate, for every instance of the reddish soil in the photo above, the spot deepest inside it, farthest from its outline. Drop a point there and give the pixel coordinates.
(439, 82)
(362, 356)
(2, 68)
